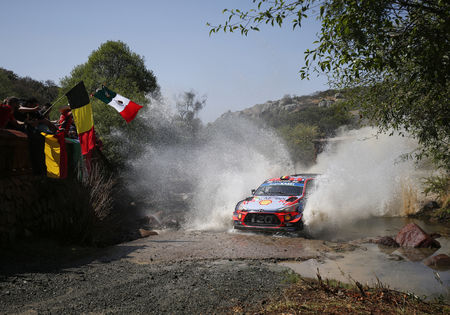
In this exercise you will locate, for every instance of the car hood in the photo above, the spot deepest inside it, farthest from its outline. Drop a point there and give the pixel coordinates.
(266, 203)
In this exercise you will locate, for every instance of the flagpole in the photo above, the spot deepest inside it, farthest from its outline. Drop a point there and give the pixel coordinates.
(53, 104)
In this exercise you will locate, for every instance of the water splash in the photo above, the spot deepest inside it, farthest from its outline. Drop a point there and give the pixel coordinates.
(238, 156)
(364, 175)
(211, 173)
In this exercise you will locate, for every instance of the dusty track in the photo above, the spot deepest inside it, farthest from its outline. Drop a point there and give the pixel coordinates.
(174, 272)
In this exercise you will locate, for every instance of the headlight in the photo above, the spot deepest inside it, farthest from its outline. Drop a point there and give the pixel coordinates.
(291, 208)
(239, 206)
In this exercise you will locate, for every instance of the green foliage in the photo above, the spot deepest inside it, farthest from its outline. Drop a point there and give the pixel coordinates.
(327, 119)
(13, 85)
(398, 50)
(439, 184)
(300, 141)
(291, 277)
(124, 72)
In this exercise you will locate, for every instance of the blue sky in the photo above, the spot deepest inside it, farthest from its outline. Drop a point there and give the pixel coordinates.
(46, 39)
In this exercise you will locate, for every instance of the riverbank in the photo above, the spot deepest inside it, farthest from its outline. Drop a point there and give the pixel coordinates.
(181, 271)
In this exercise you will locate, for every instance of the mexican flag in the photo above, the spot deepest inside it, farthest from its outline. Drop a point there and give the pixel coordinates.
(128, 109)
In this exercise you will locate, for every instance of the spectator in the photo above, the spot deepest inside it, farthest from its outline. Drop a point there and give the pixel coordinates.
(23, 113)
(65, 120)
(35, 120)
(7, 109)
(45, 110)
(73, 132)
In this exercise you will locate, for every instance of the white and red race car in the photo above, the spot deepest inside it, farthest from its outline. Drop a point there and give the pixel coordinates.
(276, 205)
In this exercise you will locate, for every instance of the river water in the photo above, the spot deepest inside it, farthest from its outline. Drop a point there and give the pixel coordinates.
(397, 268)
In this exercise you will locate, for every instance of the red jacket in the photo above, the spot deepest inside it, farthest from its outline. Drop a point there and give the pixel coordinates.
(6, 115)
(65, 121)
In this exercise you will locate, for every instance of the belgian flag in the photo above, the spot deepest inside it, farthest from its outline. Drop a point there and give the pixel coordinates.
(81, 108)
(55, 155)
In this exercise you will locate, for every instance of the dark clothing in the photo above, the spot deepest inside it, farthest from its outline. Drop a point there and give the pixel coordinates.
(36, 143)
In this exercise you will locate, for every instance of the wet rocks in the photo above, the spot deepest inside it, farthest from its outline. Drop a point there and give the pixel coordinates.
(146, 233)
(412, 235)
(170, 223)
(386, 241)
(395, 257)
(440, 261)
(149, 221)
(430, 205)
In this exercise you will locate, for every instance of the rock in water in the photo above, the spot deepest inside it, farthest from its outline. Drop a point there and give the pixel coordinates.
(411, 235)
(386, 241)
(441, 262)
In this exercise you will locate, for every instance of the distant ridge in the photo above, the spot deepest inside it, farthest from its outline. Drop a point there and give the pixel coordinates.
(288, 104)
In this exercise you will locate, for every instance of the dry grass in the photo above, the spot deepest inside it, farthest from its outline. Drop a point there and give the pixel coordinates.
(308, 296)
(101, 187)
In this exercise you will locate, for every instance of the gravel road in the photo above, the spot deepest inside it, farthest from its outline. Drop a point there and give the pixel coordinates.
(175, 272)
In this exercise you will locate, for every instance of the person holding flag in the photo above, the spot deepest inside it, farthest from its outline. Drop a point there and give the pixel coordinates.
(81, 109)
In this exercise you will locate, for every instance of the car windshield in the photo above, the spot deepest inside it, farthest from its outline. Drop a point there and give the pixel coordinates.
(279, 190)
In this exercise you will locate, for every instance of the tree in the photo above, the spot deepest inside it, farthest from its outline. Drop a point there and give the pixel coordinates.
(123, 71)
(188, 107)
(25, 87)
(398, 51)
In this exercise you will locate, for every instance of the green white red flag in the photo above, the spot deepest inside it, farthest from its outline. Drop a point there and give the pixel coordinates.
(126, 108)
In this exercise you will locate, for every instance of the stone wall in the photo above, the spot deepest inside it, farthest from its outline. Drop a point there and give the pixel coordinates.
(39, 206)
(32, 205)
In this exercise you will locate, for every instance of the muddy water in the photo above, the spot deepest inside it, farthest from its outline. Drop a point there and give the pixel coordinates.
(373, 227)
(401, 269)
(340, 253)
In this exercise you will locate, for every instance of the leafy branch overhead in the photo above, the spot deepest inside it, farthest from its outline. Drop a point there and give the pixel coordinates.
(397, 50)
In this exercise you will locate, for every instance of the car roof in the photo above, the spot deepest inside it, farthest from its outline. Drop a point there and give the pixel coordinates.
(293, 178)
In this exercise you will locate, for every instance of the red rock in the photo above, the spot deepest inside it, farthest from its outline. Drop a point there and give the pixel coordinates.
(147, 233)
(440, 261)
(412, 235)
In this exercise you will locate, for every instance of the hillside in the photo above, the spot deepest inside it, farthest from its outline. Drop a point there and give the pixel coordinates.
(303, 120)
(289, 104)
(12, 84)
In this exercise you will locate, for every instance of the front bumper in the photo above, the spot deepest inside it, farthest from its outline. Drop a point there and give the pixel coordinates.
(268, 221)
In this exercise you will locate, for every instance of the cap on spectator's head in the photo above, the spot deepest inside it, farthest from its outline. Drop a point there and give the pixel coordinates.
(12, 100)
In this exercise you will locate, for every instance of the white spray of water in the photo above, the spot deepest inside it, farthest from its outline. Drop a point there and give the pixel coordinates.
(364, 175)
(231, 157)
(239, 156)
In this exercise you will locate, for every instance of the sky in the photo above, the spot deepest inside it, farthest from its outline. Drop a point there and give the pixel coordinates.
(46, 39)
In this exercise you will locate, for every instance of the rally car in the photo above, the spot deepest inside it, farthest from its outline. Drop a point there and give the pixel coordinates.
(277, 204)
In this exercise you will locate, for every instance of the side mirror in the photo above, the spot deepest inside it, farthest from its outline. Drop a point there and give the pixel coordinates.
(253, 191)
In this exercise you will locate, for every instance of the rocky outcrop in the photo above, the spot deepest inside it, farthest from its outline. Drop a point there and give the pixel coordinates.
(412, 235)
(288, 104)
